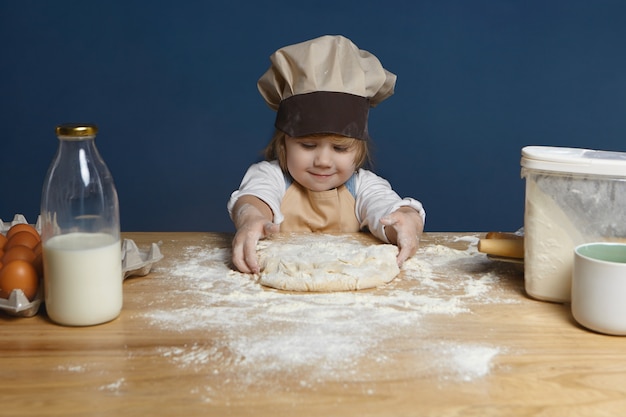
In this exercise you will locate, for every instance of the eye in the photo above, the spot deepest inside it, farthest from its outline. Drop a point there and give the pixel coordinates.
(341, 149)
(307, 145)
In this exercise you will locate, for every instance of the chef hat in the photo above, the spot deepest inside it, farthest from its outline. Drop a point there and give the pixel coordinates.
(325, 85)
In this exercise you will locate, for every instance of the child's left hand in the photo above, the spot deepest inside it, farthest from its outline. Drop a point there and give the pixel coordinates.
(404, 228)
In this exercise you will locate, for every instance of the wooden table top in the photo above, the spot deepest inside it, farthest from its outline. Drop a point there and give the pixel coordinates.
(453, 335)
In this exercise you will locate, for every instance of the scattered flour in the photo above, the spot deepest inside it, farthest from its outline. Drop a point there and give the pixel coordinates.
(319, 337)
(468, 361)
(471, 239)
(114, 387)
(72, 368)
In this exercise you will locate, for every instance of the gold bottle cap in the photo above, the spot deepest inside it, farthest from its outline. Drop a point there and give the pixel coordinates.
(77, 129)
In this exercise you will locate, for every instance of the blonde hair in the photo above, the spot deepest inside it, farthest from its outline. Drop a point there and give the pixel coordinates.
(276, 149)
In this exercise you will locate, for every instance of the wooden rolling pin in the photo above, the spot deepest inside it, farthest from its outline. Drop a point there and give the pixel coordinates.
(507, 245)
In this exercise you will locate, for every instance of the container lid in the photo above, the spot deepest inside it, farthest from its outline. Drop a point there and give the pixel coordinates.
(77, 129)
(574, 160)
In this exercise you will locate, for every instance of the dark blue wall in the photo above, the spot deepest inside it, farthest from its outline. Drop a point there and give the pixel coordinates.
(172, 86)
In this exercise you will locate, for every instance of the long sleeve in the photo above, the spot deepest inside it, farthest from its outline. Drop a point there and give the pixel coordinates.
(375, 199)
(266, 181)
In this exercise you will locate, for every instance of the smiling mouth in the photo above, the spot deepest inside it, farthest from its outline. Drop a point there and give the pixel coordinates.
(321, 175)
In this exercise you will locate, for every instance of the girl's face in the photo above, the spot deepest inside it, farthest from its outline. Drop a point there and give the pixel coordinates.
(320, 163)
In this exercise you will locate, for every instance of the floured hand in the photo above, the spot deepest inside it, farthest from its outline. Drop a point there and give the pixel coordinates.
(253, 220)
(404, 228)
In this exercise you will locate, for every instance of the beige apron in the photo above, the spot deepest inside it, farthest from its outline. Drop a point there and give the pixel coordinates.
(318, 211)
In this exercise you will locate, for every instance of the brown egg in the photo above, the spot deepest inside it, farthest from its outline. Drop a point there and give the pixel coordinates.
(38, 264)
(21, 239)
(18, 252)
(3, 240)
(37, 249)
(23, 227)
(18, 275)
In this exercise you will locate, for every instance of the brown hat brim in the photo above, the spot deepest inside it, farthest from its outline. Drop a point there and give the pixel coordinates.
(324, 112)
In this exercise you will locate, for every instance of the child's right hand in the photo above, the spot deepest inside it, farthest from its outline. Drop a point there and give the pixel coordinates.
(253, 222)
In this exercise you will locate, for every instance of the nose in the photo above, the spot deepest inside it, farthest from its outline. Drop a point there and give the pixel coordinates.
(323, 157)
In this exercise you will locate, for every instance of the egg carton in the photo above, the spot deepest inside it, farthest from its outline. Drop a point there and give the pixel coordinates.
(135, 262)
(18, 218)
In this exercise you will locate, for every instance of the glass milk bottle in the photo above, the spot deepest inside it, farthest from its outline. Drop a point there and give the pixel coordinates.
(80, 231)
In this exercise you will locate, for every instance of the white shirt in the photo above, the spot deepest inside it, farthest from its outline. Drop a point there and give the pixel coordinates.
(374, 196)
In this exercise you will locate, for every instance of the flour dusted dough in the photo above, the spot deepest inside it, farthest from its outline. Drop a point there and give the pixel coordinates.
(320, 262)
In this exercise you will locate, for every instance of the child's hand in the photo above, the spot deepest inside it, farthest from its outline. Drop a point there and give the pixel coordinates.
(253, 223)
(404, 228)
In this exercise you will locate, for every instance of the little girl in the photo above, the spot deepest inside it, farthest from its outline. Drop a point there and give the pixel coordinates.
(313, 177)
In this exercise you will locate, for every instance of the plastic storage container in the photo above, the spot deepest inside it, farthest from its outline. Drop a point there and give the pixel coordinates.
(573, 196)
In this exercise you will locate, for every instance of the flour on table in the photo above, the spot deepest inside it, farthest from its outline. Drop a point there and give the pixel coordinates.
(311, 339)
(324, 263)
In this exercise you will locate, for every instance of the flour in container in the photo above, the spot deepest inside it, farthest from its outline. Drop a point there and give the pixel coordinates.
(550, 240)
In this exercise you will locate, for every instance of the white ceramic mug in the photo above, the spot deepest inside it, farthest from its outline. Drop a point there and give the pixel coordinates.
(599, 287)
